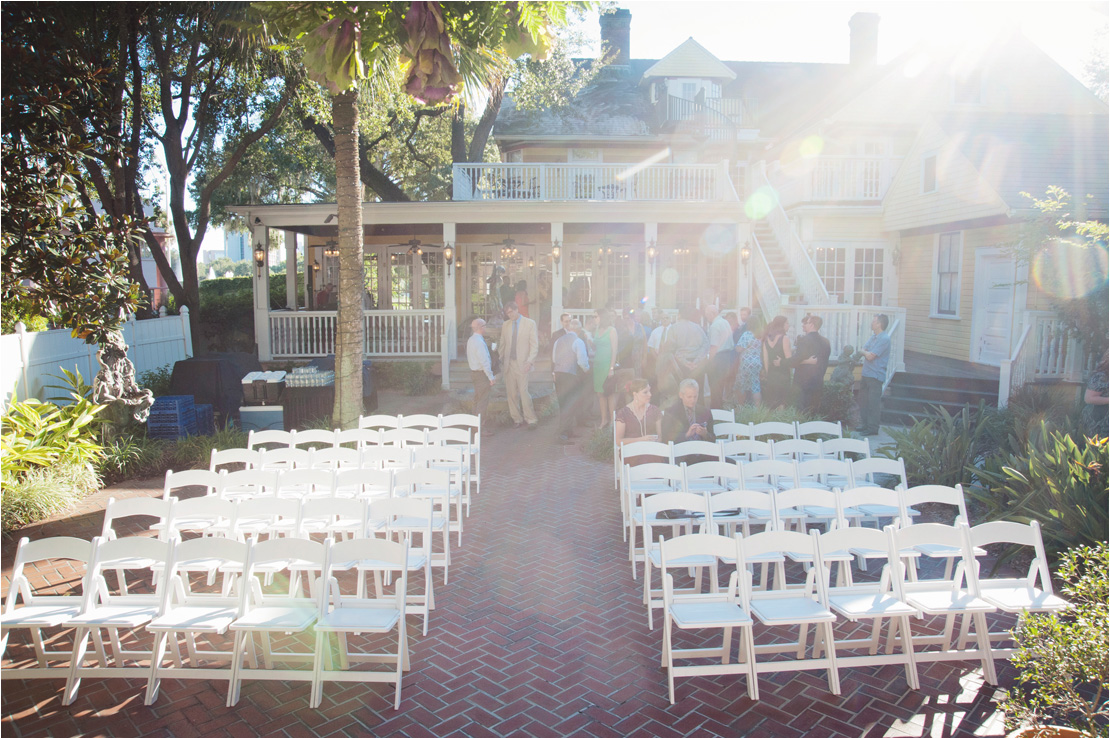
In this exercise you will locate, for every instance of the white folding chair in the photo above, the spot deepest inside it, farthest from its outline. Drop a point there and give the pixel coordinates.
(452, 460)
(797, 449)
(782, 605)
(422, 421)
(245, 458)
(152, 513)
(824, 472)
(700, 610)
(287, 611)
(346, 615)
(378, 422)
(693, 451)
(263, 439)
(433, 484)
(313, 439)
(771, 430)
(850, 500)
(334, 517)
(305, 484)
(743, 450)
(935, 494)
(846, 448)
(673, 511)
(722, 416)
(189, 482)
(870, 472)
(45, 605)
(730, 430)
(359, 437)
(117, 610)
(206, 516)
(194, 612)
(247, 483)
(411, 520)
(363, 484)
(876, 601)
(462, 439)
(712, 477)
(472, 423)
(335, 458)
(645, 479)
(949, 597)
(824, 429)
(768, 475)
(285, 459)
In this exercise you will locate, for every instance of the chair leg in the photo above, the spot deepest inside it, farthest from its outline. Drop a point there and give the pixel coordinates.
(236, 666)
(153, 682)
(748, 647)
(912, 679)
(73, 682)
(834, 672)
(316, 694)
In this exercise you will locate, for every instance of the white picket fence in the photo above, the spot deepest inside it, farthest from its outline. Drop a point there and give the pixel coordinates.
(30, 361)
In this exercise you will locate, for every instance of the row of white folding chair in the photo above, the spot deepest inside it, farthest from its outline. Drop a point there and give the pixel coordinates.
(235, 610)
(771, 430)
(895, 597)
(354, 439)
(839, 449)
(451, 422)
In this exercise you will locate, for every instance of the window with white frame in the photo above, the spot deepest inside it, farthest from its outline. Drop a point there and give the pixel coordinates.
(929, 173)
(852, 273)
(431, 281)
(583, 156)
(946, 275)
(868, 283)
(831, 265)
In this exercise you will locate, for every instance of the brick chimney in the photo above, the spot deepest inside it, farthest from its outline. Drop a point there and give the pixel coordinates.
(864, 50)
(616, 32)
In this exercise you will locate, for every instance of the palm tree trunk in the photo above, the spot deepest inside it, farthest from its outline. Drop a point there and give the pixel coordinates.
(349, 330)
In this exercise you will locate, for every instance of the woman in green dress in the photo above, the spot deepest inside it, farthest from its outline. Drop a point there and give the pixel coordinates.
(605, 357)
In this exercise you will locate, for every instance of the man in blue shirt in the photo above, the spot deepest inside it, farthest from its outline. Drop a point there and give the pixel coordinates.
(876, 353)
(481, 370)
(569, 365)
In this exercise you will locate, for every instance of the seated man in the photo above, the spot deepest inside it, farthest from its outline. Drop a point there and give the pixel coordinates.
(688, 419)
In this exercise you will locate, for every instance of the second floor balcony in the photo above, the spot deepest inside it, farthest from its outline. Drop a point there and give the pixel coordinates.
(568, 182)
(860, 180)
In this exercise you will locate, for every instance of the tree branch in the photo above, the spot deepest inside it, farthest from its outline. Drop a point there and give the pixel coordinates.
(370, 175)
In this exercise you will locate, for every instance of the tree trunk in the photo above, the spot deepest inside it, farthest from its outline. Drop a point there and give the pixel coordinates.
(349, 330)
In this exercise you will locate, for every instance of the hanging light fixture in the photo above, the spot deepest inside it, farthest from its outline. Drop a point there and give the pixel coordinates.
(259, 258)
(331, 248)
(556, 252)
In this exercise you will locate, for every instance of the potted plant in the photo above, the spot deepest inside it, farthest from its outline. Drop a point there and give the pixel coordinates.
(1062, 658)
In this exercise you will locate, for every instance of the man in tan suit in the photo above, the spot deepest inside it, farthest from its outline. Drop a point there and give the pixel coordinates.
(518, 348)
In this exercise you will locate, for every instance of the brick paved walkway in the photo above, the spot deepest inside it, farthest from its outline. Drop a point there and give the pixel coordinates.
(540, 633)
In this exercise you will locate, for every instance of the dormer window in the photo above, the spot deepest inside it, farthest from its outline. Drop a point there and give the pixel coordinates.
(928, 173)
(968, 89)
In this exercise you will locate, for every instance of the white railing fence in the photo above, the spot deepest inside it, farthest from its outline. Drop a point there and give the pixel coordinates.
(836, 178)
(1046, 351)
(308, 333)
(767, 289)
(660, 182)
(809, 281)
(30, 360)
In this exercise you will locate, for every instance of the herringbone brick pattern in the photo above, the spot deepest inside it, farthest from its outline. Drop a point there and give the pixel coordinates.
(540, 632)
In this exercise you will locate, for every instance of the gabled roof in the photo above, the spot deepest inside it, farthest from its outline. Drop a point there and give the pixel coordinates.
(690, 59)
(1029, 153)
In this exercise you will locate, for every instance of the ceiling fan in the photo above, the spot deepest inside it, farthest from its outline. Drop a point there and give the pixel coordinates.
(416, 246)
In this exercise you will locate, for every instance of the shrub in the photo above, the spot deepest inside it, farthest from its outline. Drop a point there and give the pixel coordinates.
(41, 434)
(420, 380)
(1062, 657)
(837, 402)
(942, 448)
(599, 444)
(157, 380)
(195, 452)
(1059, 481)
(133, 456)
(42, 492)
(760, 414)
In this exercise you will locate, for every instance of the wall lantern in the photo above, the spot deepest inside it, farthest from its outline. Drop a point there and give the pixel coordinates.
(531, 263)
(746, 252)
(316, 267)
(651, 254)
(556, 252)
(448, 257)
(331, 248)
(259, 258)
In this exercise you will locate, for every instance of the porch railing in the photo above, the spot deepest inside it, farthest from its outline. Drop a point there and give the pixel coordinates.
(306, 334)
(1046, 351)
(809, 281)
(563, 182)
(767, 289)
(863, 179)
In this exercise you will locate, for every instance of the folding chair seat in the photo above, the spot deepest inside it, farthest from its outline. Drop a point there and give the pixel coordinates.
(645, 479)
(433, 484)
(378, 422)
(247, 483)
(768, 475)
(357, 438)
(772, 431)
(334, 517)
(363, 484)
(348, 614)
(206, 613)
(850, 500)
(784, 604)
(824, 472)
(269, 439)
(796, 449)
(712, 477)
(472, 423)
(335, 458)
(869, 473)
(451, 459)
(313, 439)
(695, 451)
(422, 421)
(672, 511)
(405, 437)
(823, 429)
(704, 610)
(935, 494)
(950, 597)
(877, 601)
(190, 483)
(118, 610)
(846, 448)
(305, 484)
(743, 450)
(411, 520)
(285, 459)
(722, 416)
(46, 606)
(801, 507)
(245, 458)
(287, 611)
(729, 430)
(1031, 593)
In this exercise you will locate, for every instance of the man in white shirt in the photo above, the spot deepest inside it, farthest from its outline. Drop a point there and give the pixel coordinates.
(481, 370)
(721, 354)
(569, 364)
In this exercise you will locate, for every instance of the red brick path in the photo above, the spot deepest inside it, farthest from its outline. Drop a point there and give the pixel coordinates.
(539, 633)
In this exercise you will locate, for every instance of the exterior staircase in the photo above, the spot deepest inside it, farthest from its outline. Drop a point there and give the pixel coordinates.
(909, 395)
(778, 263)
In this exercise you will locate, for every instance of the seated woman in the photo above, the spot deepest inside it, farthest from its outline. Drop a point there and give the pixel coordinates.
(639, 420)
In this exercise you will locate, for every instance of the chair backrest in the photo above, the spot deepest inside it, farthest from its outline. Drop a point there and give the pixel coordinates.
(405, 437)
(200, 514)
(285, 458)
(778, 542)
(369, 554)
(773, 472)
(679, 506)
(257, 515)
(405, 516)
(207, 555)
(656, 449)
(822, 428)
(936, 494)
(722, 416)
(269, 438)
(672, 474)
(335, 458)
(306, 483)
(452, 458)
(955, 537)
(134, 553)
(47, 549)
(248, 483)
(853, 497)
(418, 420)
(177, 482)
(335, 508)
(730, 430)
(291, 555)
(824, 472)
(128, 507)
(679, 548)
(797, 449)
(248, 458)
(864, 471)
(686, 449)
(801, 497)
(771, 430)
(357, 438)
(838, 540)
(841, 448)
(1018, 534)
(386, 457)
(461, 420)
(728, 475)
(363, 483)
(416, 481)
(745, 449)
(451, 437)
(378, 422)
(313, 438)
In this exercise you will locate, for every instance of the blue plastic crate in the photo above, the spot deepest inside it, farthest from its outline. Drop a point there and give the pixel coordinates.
(206, 420)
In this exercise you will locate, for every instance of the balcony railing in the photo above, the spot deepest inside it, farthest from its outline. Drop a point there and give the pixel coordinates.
(862, 179)
(563, 182)
(1046, 351)
(305, 334)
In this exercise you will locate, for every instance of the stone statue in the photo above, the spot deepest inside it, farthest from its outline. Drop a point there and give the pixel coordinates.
(847, 360)
(115, 382)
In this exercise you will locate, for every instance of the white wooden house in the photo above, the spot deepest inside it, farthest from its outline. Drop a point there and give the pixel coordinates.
(789, 187)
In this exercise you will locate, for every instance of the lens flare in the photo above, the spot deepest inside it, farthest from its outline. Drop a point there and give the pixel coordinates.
(761, 202)
(811, 146)
(1067, 270)
(669, 276)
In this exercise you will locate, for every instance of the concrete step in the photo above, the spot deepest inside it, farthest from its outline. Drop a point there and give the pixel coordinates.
(909, 396)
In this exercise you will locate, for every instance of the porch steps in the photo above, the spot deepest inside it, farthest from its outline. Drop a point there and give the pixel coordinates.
(909, 395)
(778, 263)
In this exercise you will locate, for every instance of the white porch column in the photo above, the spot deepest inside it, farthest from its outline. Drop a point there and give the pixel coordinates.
(557, 276)
(744, 296)
(291, 270)
(450, 317)
(260, 234)
(651, 237)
